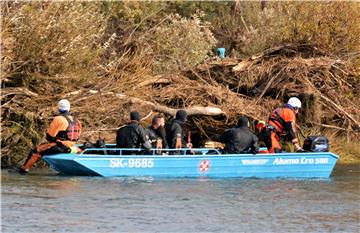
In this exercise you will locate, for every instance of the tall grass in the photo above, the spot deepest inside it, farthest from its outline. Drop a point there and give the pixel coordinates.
(249, 28)
(60, 39)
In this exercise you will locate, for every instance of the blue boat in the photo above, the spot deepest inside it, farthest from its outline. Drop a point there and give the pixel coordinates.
(111, 162)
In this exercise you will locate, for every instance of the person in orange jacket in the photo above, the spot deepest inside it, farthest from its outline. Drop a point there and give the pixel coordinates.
(263, 135)
(64, 131)
(282, 125)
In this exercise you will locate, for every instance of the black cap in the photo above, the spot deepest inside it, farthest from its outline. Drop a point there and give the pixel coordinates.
(181, 115)
(243, 121)
(135, 116)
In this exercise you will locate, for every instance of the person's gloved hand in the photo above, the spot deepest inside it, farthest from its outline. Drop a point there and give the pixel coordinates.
(298, 148)
(189, 145)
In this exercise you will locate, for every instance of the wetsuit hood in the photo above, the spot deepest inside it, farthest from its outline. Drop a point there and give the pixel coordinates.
(135, 116)
(181, 115)
(243, 121)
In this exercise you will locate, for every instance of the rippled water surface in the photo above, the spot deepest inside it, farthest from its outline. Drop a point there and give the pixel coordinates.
(45, 202)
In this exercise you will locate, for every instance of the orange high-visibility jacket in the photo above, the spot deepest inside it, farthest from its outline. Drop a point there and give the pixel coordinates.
(284, 121)
(59, 129)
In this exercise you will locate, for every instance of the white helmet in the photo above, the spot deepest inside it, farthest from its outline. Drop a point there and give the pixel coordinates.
(294, 102)
(64, 105)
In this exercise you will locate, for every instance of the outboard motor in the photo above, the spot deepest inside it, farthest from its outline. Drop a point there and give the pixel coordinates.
(316, 144)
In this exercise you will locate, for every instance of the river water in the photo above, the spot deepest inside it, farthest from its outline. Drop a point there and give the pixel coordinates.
(45, 202)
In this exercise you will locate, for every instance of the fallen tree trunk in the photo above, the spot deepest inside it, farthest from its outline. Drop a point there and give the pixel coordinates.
(194, 110)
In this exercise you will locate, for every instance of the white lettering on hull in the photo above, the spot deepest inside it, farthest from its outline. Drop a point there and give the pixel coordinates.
(132, 163)
(281, 161)
(254, 161)
(303, 160)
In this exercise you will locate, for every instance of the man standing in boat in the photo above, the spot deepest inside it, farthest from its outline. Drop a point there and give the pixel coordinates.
(156, 133)
(132, 135)
(64, 131)
(176, 136)
(240, 140)
(282, 125)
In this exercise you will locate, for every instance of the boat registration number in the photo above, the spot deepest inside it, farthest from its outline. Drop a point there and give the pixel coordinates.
(132, 163)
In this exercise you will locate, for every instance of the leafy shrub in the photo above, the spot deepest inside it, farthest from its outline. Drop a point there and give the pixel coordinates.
(178, 43)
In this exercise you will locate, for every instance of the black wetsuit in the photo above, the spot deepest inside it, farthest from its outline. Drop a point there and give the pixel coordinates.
(154, 134)
(173, 130)
(240, 140)
(132, 135)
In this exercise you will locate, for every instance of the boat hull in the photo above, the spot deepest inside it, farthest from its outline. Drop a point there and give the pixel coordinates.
(292, 165)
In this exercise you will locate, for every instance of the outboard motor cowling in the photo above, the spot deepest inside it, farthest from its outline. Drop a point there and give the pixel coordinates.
(316, 144)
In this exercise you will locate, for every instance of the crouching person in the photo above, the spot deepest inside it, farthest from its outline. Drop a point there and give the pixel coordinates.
(61, 135)
(240, 140)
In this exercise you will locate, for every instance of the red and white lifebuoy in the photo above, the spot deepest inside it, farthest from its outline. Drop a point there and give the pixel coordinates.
(204, 165)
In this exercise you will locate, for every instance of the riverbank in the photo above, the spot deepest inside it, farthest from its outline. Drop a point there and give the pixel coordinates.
(348, 151)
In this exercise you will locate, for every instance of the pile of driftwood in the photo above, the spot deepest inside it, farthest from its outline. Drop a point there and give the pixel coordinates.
(214, 93)
(328, 87)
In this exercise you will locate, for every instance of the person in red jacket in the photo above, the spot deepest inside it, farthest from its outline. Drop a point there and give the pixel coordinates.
(282, 125)
(62, 134)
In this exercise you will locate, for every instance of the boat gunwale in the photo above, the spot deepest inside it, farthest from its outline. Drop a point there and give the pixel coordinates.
(185, 150)
(265, 155)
